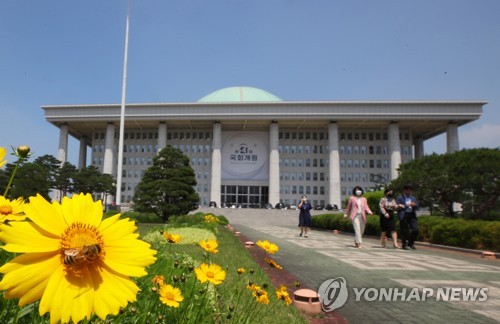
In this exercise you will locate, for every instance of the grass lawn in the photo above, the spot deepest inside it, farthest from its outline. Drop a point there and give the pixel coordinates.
(187, 284)
(229, 302)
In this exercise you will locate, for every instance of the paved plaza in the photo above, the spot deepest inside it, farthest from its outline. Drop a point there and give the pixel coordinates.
(325, 255)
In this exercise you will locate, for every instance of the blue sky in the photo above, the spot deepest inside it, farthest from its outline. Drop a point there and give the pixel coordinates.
(71, 52)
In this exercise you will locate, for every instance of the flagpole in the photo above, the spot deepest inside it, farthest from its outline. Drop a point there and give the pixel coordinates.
(122, 115)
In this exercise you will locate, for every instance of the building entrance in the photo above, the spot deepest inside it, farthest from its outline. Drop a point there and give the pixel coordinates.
(244, 196)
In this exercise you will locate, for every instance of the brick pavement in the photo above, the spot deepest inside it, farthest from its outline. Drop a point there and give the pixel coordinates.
(325, 255)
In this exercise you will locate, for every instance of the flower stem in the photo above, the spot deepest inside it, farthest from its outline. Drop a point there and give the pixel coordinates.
(11, 178)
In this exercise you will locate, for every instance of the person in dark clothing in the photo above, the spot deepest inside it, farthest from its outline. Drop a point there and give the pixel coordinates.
(408, 217)
(304, 215)
(388, 208)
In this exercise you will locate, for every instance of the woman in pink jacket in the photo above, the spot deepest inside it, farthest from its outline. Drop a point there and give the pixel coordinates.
(357, 207)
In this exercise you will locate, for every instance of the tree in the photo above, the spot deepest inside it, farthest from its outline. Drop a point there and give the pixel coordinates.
(30, 179)
(106, 185)
(470, 177)
(87, 180)
(51, 166)
(167, 187)
(63, 180)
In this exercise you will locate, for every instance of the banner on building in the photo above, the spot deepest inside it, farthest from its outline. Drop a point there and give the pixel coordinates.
(245, 156)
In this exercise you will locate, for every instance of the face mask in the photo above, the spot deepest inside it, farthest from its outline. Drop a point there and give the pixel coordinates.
(358, 192)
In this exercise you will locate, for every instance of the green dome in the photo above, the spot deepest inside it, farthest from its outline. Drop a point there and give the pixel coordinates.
(239, 94)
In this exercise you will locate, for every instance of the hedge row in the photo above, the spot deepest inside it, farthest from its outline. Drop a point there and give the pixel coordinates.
(470, 234)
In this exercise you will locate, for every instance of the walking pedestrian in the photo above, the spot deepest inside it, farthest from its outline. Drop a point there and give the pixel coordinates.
(357, 208)
(408, 217)
(388, 208)
(304, 215)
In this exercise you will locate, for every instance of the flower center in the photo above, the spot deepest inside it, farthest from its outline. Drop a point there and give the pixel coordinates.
(210, 274)
(170, 295)
(81, 244)
(5, 210)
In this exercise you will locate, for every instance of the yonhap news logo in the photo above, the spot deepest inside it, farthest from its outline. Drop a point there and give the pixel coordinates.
(333, 294)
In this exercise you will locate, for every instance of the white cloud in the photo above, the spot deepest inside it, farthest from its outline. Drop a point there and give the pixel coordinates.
(486, 135)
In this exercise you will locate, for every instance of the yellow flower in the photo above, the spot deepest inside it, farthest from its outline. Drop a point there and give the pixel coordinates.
(252, 286)
(261, 296)
(209, 218)
(3, 153)
(282, 294)
(74, 261)
(172, 238)
(170, 296)
(241, 271)
(209, 245)
(11, 210)
(269, 247)
(159, 280)
(273, 263)
(211, 273)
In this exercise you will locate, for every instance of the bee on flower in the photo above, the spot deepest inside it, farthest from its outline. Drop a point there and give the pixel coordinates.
(72, 260)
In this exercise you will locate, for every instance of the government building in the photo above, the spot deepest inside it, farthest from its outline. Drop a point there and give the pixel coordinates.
(249, 147)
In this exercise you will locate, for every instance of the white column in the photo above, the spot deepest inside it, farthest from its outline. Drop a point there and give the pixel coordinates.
(452, 138)
(162, 136)
(216, 165)
(82, 157)
(334, 161)
(62, 153)
(274, 164)
(108, 149)
(419, 147)
(394, 149)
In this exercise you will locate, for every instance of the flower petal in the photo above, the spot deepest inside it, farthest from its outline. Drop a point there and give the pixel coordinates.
(116, 228)
(46, 215)
(27, 275)
(27, 237)
(131, 259)
(68, 297)
(112, 291)
(81, 208)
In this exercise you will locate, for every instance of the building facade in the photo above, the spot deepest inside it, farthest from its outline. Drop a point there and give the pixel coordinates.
(249, 147)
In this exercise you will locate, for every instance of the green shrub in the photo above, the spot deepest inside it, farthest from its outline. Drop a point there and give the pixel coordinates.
(373, 199)
(109, 213)
(143, 217)
(338, 222)
(223, 220)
